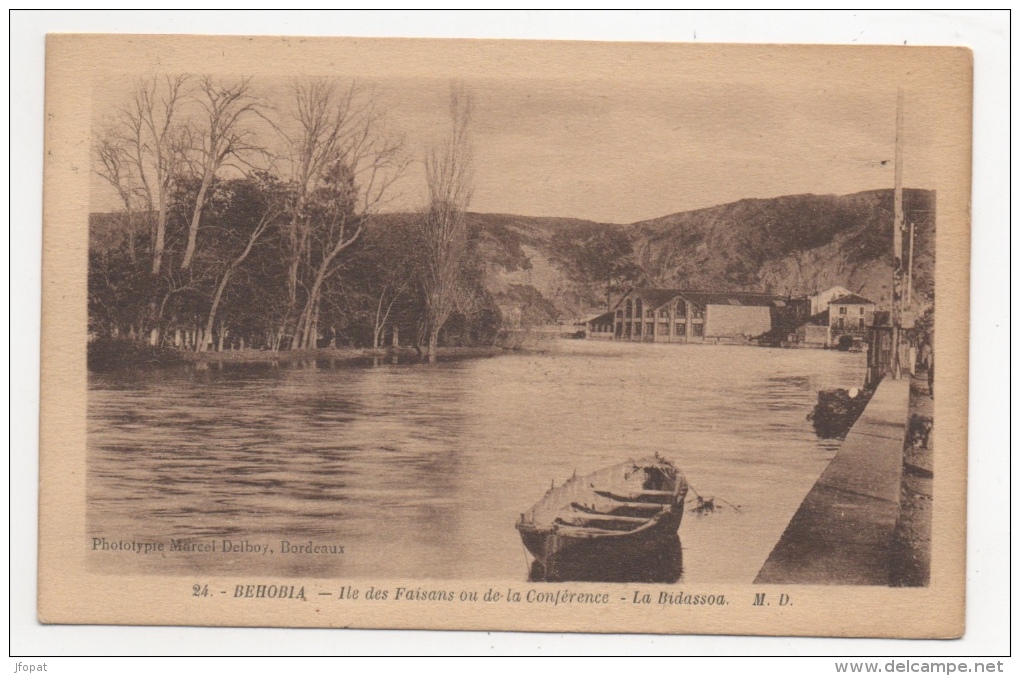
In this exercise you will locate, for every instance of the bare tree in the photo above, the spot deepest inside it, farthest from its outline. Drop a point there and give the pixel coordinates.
(321, 113)
(356, 186)
(180, 140)
(343, 165)
(449, 177)
(220, 137)
(383, 310)
(169, 138)
(114, 166)
(140, 154)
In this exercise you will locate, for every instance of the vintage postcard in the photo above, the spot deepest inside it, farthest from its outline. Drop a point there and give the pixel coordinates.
(505, 335)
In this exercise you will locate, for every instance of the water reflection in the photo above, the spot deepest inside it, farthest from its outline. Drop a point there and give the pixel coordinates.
(421, 471)
(660, 562)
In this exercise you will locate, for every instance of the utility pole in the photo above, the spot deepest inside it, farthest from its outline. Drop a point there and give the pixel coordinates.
(897, 282)
(910, 268)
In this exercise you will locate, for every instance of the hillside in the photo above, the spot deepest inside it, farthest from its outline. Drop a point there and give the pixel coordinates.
(795, 245)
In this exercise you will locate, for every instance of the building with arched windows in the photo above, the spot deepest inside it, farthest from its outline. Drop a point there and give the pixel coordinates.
(680, 316)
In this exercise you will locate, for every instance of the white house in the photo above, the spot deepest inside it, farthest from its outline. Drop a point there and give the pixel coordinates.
(820, 301)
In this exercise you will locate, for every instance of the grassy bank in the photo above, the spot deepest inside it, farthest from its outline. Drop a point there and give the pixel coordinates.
(335, 354)
(104, 355)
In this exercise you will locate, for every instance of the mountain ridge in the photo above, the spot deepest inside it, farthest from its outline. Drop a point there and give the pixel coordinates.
(787, 245)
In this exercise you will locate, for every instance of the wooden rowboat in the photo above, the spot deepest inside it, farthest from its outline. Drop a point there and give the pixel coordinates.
(608, 520)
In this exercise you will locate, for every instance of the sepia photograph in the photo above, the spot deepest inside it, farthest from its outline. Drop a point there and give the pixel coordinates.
(505, 335)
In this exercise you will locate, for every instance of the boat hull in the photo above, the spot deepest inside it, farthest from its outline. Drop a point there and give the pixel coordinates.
(651, 555)
(618, 523)
(657, 561)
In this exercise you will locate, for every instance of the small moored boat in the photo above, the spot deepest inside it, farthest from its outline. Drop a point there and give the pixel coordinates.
(613, 517)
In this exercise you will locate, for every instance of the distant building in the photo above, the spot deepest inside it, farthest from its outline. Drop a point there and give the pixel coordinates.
(844, 318)
(600, 326)
(679, 316)
(848, 316)
(820, 301)
(814, 332)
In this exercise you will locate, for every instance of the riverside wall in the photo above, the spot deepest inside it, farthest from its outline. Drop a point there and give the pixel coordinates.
(843, 531)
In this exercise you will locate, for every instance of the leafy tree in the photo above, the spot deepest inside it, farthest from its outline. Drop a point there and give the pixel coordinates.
(378, 284)
(251, 206)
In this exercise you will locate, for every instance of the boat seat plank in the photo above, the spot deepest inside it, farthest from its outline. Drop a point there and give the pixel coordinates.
(607, 517)
(638, 505)
(643, 491)
(634, 495)
(578, 530)
(641, 506)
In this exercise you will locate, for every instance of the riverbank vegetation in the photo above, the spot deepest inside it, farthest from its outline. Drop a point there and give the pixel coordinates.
(250, 222)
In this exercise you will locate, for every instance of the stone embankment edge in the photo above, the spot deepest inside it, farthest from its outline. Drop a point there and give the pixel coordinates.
(843, 531)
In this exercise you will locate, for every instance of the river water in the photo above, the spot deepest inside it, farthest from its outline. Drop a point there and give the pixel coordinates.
(420, 471)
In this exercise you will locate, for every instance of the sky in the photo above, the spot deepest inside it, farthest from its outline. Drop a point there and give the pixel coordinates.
(625, 149)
